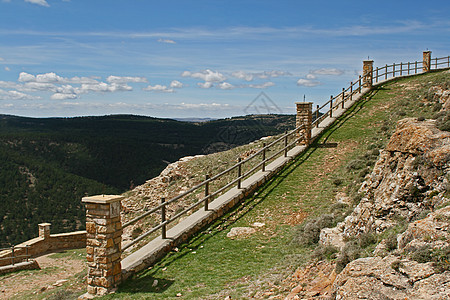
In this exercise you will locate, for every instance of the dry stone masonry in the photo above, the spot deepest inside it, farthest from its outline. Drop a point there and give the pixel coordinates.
(103, 243)
(426, 61)
(368, 73)
(304, 117)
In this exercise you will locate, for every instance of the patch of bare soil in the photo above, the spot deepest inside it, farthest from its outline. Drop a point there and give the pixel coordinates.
(54, 273)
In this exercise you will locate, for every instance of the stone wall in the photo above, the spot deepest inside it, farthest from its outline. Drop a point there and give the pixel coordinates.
(45, 243)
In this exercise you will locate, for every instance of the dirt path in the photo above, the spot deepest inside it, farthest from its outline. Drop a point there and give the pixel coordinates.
(55, 269)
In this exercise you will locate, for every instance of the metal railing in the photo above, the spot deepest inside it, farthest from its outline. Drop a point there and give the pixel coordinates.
(284, 143)
(14, 256)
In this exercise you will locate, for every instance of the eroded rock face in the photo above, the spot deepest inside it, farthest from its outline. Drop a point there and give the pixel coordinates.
(433, 231)
(410, 177)
(390, 277)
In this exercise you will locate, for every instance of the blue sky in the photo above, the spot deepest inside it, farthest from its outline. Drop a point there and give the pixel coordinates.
(63, 58)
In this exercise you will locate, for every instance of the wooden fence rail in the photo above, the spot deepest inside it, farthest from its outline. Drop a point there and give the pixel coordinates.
(13, 257)
(378, 75)
(294, 137)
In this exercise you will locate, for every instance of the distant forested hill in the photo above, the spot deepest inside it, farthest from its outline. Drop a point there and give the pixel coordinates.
(48, 165)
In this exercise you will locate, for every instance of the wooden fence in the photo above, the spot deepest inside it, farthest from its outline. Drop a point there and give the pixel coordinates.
(14, 255)
(377, 76)
(258, 160)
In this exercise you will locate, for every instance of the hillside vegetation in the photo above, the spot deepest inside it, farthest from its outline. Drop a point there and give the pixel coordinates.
(48, 165)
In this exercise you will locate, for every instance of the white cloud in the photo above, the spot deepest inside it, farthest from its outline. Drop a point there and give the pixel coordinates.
(53, 78)
(332, 71)
(226, 86)
(205, 85)
(125, 79)
(261, 86)
(242, 75)
(261, 75)
(176, 84)
(15, 95)
(2, 59)
(37, 86)
(311, 76)
(167, 41)
(9, 85)
(38, 2)
(25, 77)
(63, 96)
(206, 75)
(307, 82)
(159, 88)
(104, 87)
(201, 105)
(7, 69)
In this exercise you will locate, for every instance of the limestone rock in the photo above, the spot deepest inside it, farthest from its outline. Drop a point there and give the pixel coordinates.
(433, 230)
(390, 278)
(413, 166)
(240, 231)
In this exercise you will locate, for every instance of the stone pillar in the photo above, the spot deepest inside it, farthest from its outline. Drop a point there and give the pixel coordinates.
(103, 243)
(44, 230)
(304, 116)
(367, 73)
(426, 61)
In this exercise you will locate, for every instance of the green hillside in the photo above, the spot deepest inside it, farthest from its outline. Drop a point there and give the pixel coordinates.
(48, 165)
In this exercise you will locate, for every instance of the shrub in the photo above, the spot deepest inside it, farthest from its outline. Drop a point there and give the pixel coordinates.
(367, 239)
(437, 106)
(364, 172)
(351, 251)
(337, 181)
(391, 242)
(355, 164)
(422, 254)
(309, 233)
(396, 265)
(441, 259)
(325, 252)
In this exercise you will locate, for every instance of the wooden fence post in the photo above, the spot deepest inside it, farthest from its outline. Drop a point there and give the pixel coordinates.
(331, 106)
(239, 173)
(264, 157)
(286, 141)
(206, 192)
(359, 84)
(163, 219)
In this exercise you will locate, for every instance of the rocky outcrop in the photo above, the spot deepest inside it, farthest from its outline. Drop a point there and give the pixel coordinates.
(409, 185)
(409, 178)
(390, 278)
(399, 275)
